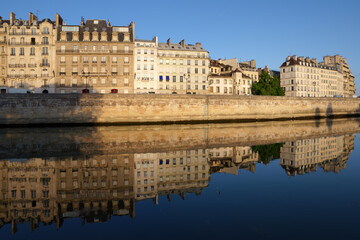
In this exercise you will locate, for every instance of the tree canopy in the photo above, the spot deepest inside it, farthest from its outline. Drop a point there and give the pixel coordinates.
(267, 85)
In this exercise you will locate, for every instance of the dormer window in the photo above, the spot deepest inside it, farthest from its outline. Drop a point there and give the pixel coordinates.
(96, 22)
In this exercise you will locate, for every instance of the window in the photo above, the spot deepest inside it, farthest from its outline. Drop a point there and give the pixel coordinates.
(22, 51)
(126, 59)
(33, 31)
(188, 62)
(62, 59)
(75, 59)
(46, 30)
(114, 60)
(86, 59)
(45, 51)
(181, 78)
(32, 51)
(94, 60)
(167, 78)
(160, 78)
(103, 59)
(45, 40)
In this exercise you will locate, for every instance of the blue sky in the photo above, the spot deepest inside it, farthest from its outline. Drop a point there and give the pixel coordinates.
(266, 31)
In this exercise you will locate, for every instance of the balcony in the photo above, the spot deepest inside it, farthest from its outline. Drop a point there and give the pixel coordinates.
(45, 43)
(44, 64)
(126, 73)
(66, 51)
(44, 53)
(20, 33)
(17, 65)
(62, 73)
(114, 73)
(20, 76)
(74, 73)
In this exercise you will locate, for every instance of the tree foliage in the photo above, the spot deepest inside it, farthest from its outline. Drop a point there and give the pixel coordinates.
(267, 85)
(268, 152)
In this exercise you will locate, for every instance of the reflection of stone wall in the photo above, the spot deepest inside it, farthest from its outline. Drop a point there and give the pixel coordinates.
(303, 156)
(70, 142)
(100, 108)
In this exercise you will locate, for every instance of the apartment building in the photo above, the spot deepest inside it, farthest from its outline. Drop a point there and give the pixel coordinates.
(173, 172)
(305, 77)
(247, 75)
(348, 78)
(94, 57)
(182, 68)
(27, 54)
(145, 66)
(229, 79)
(303, 156)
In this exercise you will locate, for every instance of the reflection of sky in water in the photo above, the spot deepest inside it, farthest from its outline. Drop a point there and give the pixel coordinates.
(267, 204)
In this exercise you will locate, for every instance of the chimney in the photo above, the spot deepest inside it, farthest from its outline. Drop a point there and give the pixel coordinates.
(109, 25)
(198, 44)
(82, 21)
(59, 20)
(253, 63)
(307, 59)
(31, 18)
(155, 39)
(168, 42)
(182, 43)
(132, 26)
(294, 57)
(314, 60)
(288, 58)
(12, 18)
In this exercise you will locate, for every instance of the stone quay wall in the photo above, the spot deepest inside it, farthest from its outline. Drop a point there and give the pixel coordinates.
(40, 109)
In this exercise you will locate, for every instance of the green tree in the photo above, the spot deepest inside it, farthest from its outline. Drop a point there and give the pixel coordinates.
(268, 152)
(267, 85)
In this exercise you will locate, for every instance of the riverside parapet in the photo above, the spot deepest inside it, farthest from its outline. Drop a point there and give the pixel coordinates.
(28, 109)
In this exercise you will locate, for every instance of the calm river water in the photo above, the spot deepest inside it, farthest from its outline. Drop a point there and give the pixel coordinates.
(272, 180)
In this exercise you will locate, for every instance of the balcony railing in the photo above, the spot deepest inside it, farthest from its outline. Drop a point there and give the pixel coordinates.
(62, 73)
(17, 65)
(20, 33)
(74, 73)
(22, 76)
(44, 64)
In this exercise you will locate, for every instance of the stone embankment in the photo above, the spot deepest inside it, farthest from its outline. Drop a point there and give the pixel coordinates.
(42, 109)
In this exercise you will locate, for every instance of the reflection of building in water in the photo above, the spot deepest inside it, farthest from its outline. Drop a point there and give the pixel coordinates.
(96, 187)
(303, 156)
(173, 172)
(231, 159)
(27, 192)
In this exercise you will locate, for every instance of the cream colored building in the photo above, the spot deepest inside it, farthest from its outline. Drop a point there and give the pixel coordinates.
(303, 156)
(229, 79)
(231, 159)
(348, 78)
(145, 66)
(247, 75)
(94, 56)
(173, 172)
(27, 54)
(305, 77)
(182, 68)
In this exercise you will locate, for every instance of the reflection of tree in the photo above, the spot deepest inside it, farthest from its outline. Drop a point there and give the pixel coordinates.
(268, 152)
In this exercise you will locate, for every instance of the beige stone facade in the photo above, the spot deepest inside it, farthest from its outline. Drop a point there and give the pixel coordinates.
(182, 68)
(229, 77)
(348, 78)
(246, 75)
(303, 156)
(305, 77)
(145, 66)
(27, 54)
(94, 57)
